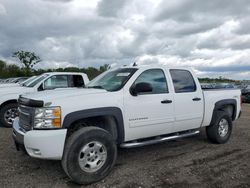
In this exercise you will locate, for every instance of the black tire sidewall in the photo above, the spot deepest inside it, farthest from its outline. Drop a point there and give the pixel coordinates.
(74, 170)
(213, 130)
(2, 112)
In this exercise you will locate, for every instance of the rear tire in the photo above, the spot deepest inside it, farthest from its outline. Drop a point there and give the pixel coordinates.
(89, 155)
(220, 129)
(7, 114)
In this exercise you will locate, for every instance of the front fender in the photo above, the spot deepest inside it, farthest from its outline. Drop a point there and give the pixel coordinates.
(104, 111)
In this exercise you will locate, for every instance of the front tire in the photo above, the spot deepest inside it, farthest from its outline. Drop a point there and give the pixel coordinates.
(7, 114)
(89, 155)
(220, 130)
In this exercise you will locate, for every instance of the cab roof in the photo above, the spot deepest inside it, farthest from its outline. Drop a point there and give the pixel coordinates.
(65, 73)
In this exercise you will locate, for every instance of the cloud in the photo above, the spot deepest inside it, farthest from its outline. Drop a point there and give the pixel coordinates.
(110, 8)
(2, 10)
(212, 36)
(193, 10)
(55, 1)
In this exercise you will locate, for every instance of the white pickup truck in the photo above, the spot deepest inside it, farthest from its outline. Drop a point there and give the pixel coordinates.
(125, 107)
(46, 81)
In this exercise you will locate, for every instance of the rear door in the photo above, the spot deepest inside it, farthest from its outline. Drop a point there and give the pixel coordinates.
(188, 99)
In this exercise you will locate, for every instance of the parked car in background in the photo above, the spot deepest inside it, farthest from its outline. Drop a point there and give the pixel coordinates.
(207, 86)
(8, 80)
(19, 83)
(19, 80)
(223, 86)
(246, 98)
(47, 81)
(246, 89)
(3, 81)
(14, 80)
(126, 107)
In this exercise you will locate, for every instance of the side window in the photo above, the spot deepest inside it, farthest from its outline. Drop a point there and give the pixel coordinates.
(183, 81)
(57, 81)
(77, 81)
(156, 78)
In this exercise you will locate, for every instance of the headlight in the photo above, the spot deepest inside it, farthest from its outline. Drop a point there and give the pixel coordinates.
(48, 117)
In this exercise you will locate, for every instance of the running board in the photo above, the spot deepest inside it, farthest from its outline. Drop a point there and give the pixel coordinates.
(158, 139)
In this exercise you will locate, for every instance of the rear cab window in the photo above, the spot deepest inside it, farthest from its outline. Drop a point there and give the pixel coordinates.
(76, 81)
(183, 81)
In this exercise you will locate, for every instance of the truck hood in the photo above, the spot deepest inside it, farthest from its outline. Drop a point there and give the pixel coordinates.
(8, 85)
(50, 95)
(12, 90)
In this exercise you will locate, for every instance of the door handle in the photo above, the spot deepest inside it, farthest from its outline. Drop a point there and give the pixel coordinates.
(196, 99)
(166, 101)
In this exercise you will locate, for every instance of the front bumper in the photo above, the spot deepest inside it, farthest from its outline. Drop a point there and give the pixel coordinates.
(44, 144)
(18, 136)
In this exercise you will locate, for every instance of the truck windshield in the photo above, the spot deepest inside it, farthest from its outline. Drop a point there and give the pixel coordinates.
(29, 80)
(112, 80)
(37, 80)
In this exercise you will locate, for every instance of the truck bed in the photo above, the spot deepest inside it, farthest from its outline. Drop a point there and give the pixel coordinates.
(211, 96)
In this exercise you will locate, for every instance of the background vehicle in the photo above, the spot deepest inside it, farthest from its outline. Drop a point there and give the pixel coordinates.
(246, 89)
(246, 98)
(47, 81)
(20, 81)
(128, 107)
(223, 85)
(207, 86)
(8, 80)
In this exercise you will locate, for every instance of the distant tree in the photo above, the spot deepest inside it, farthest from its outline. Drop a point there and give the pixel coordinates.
(2, 68)
(14, 71)
(28, 59)
(10, 70)
(92, 72)
(104, 67)
(71, 69)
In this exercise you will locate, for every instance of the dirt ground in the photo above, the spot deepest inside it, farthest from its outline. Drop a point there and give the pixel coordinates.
(189, 162)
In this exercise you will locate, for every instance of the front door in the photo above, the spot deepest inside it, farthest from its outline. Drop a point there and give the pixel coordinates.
(149, 113)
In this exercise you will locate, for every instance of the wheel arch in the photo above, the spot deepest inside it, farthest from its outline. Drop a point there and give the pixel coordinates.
(8, 102)
(227, 105)
(111, 115)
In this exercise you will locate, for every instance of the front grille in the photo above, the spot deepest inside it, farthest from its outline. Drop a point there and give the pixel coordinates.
(25, 117)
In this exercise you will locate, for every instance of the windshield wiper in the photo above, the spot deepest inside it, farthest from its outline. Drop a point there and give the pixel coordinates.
(95, 87)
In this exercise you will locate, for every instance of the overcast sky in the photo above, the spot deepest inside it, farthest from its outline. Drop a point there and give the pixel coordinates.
(211, 36)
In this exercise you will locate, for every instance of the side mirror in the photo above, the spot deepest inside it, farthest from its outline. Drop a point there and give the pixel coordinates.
(142, 87)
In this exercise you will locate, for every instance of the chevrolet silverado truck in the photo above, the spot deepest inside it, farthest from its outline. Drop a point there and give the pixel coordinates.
(47, 81)
(124, 107)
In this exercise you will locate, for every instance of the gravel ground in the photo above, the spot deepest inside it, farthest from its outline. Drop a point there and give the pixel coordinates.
(190, 162)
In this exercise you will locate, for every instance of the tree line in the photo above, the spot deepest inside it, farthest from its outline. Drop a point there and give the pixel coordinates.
(217, 80)
(8, 71)
(29, 59)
